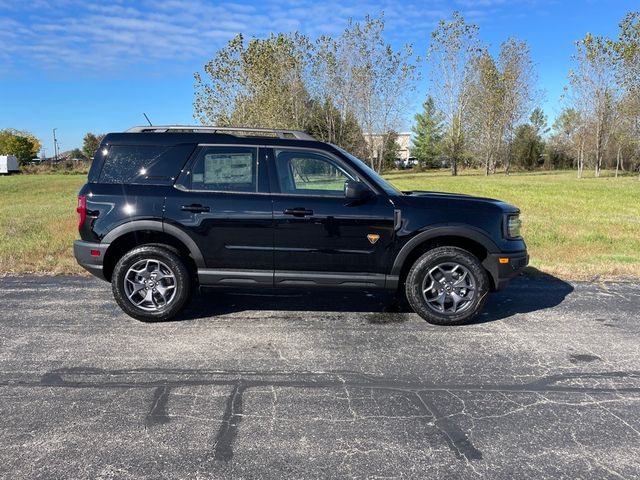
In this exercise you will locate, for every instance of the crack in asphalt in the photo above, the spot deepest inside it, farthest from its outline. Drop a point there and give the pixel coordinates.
(240, 381)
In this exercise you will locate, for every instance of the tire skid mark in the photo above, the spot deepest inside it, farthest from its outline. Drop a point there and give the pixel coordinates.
(158, 413)
(223, 447)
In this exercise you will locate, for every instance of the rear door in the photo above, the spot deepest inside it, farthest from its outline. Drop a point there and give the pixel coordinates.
(222, 201)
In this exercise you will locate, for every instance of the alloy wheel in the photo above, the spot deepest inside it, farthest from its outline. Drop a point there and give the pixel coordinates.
(150, 285)
(449, 288)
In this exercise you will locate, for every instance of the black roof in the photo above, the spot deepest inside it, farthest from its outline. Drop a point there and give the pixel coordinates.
(175, 138)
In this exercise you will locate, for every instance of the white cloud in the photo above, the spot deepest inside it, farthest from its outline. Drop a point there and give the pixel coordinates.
(92, 37)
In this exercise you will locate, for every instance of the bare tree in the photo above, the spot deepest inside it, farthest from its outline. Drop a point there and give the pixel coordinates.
(519, 81)
(486, 110)
(595, 92)
(377, 80)
(627, 48)
(452, 53)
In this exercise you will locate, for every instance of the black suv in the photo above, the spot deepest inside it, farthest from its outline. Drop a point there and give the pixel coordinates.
(168, 209)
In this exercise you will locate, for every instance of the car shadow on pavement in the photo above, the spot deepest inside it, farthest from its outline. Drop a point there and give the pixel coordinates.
(527, 293)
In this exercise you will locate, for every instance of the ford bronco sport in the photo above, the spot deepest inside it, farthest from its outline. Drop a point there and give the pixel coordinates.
(168, 209)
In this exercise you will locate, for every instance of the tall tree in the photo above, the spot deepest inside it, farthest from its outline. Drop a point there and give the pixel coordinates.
(454, 47)
(8, 134)
(90, 144)
(23, 145)
(327, 124)
(502, 90)
(19, 146)
(390, 150)
(486, 110)
(539, 121)
(257, 84)
(527, 146)
(518, 78)
(595, 92)
(427, 132)
(568, 138)
(379, 80)
(627, 48)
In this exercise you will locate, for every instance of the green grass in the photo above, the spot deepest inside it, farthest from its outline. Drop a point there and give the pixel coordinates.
(574, 228)
(38, 223)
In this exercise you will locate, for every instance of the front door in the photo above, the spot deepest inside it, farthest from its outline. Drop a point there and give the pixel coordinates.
(222, 202)
(319, 236)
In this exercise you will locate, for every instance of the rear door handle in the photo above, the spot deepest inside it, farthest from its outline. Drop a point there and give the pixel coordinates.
(298, 212)
(195, 208)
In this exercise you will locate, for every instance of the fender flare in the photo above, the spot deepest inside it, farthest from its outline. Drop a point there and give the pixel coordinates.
(157, 226)
(430, 233)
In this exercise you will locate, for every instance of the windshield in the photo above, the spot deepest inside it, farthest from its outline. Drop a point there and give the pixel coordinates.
(375, 176)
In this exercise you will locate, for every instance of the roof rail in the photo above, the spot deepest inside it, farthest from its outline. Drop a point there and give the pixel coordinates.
(279, 133)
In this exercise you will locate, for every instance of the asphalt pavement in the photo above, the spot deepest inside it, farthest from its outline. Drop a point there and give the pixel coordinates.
(545, 384)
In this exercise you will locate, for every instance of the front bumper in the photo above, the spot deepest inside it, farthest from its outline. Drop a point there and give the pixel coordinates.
(502, 273)
(92, 263)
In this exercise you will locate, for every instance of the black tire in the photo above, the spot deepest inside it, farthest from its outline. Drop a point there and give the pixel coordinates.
(470, 293)
(177, 286)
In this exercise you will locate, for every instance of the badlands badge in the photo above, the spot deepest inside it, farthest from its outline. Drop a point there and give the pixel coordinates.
(373, 238)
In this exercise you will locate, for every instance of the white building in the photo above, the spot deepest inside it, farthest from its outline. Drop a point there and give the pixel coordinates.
(403, 140)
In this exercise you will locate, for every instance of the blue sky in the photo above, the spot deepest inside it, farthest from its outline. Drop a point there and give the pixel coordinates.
(87, 65)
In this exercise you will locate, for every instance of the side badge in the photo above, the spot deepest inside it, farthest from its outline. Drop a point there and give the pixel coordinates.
(373, 238)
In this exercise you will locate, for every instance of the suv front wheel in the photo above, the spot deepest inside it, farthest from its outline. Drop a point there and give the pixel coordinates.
(151, 283)
(447, 286)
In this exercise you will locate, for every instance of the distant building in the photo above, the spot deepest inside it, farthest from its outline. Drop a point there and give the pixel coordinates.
(403, 140)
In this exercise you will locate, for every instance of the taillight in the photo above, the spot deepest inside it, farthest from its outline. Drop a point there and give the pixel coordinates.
(82, 210)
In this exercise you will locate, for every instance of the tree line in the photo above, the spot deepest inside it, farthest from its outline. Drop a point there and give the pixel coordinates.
(25, 146)
(600, 125)
(341, 89)
(481, 109)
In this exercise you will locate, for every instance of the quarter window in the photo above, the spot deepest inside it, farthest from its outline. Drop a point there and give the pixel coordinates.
(136, 164)
(227, 169)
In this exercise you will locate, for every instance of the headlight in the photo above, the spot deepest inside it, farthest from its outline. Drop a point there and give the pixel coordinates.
(513, 226)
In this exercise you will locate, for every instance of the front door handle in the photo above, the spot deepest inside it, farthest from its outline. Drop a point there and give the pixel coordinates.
(298, 212)
(195, 208)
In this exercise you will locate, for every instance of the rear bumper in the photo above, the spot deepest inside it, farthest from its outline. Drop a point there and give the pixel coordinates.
(90, 262)
(502, 273)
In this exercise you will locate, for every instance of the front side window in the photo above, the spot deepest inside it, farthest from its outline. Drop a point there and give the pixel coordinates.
(309, 173)
(226, 169)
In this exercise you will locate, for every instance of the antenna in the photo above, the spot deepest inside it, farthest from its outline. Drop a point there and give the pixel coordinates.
(145, 116)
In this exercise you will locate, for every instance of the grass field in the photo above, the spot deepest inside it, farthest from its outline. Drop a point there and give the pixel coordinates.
(574, 228)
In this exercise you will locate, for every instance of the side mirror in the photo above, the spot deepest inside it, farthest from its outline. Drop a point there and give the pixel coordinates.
(356, 191)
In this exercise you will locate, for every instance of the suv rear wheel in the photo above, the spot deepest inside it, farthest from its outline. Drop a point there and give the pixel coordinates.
(151, 283)
(447, 286)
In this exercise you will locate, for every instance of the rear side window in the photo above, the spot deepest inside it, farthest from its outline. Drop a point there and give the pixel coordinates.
(225, 169)
(143, 164)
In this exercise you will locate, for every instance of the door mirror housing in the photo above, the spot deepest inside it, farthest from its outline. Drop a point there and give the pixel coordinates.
(356, 191)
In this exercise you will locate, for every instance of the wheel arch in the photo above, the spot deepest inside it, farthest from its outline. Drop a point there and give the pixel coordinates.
(471, 240)
(145, 232)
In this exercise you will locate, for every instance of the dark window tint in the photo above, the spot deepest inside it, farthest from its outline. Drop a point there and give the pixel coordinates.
(228, 169)
(143, 164)
(309, 173)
